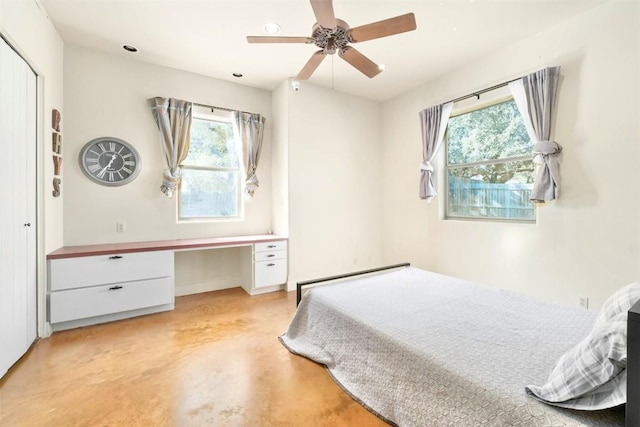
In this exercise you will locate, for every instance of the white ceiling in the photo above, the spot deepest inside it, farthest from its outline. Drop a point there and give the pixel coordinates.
(208, 36)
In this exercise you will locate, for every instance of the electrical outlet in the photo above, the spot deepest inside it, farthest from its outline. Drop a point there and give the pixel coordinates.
(120, 227)
(583, 302)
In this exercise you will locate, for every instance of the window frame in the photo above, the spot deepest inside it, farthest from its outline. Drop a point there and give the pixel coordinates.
(478, 104)
(209, 114)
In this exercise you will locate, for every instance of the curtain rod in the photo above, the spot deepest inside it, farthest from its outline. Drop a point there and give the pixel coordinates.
(479, 92)
(213, 107)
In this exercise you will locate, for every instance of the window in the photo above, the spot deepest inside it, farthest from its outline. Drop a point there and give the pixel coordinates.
(489, 171)
(210, 187)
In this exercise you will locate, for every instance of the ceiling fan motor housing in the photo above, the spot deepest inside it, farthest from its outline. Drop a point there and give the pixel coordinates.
(331, 39)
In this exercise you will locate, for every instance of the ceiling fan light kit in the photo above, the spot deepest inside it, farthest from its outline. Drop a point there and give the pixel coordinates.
(333, 35)
(272, 28)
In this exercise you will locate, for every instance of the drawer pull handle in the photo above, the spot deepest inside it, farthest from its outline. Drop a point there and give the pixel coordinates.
(115, 288)
(270, 264)
(271, 255)
(115, 257)
(271, 246)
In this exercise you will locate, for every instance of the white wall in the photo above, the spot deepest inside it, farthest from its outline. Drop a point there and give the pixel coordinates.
(334, 183)
(29, 30)
(106, 95)
(280, 159)
(588, 242)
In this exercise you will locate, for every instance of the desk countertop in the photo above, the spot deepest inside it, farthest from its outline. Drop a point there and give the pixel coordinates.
(161, 245)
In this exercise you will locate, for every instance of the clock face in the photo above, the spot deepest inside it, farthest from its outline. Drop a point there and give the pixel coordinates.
(109, 161)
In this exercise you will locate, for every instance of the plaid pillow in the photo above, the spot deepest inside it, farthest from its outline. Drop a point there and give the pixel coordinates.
(619, 302)
(592, 375)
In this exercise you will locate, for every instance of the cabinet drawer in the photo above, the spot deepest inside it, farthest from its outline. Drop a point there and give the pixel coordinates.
(266, 256)
(270, 273)
(279, 245)
(69, 273)
(99, 300)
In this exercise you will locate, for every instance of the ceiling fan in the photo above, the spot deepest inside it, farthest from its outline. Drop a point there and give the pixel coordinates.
(333, 35)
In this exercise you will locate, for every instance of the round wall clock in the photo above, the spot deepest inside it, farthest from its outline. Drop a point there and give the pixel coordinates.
(109, 161)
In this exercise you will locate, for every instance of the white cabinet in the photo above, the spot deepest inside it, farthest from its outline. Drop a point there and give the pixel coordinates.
(132, 279)
(265, 267)
(269, 273)
(71, 273)
(96, 289)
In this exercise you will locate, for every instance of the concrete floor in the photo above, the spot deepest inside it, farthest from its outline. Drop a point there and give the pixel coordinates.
(213, 361)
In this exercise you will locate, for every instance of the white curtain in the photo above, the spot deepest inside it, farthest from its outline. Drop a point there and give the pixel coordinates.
(433, 123)
(173, 117)
(250, 132)
(535, 96)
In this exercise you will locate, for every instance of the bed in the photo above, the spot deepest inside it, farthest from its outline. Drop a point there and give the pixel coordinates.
(419, 348)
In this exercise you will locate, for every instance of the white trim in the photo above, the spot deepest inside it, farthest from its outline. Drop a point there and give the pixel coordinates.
(71, 324)
(208, 286)
(266, 290)
(489, 162)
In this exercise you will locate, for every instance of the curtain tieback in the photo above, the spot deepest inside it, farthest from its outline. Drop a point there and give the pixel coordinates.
(543, 149)
(426, 166)
(171, 179)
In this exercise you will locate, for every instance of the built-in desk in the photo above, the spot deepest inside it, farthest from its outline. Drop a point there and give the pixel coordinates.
(92, 284)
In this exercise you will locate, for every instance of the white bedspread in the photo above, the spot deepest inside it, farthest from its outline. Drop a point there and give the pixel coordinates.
(423, 349)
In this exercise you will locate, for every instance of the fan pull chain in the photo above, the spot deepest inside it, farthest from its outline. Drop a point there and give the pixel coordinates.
(332, 71)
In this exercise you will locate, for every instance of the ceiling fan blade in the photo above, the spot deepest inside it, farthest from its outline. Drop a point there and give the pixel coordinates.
(388, 27)
(323, 10)
(359, 61)
(278, 39)
(311, 65)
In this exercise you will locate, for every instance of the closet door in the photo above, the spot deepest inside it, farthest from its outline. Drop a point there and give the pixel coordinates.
(18, 125)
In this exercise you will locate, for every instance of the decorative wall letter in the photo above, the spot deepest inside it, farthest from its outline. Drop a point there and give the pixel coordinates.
(56, 143)
(57, 165)
(56, 187)
(55, 120)
(56, 150)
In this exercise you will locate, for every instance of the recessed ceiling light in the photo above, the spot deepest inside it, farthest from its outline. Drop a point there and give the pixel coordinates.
(382, 67)
(129, 48)
(238, 75)
(272, 28)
